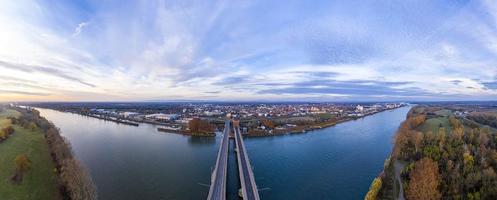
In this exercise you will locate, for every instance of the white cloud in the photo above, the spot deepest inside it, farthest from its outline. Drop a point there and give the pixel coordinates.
(79, 28)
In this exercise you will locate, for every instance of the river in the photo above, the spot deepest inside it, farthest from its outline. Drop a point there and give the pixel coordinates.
(128, 162)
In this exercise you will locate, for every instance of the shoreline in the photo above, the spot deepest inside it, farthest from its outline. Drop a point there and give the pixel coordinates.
(184, 132)
(311, 128)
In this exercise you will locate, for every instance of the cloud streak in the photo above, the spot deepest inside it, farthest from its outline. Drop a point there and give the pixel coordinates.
(23, 93)
(44, 70)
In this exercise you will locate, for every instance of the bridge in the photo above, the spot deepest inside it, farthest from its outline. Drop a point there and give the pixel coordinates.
(247, 180)
(217, 189)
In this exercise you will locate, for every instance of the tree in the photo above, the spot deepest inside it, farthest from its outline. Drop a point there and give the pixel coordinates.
(424, 181)
(22, 163)
(441, 137)
(78, 181)
(416, 121)
(374, 189)
(268, 123)
(3, 135)
(197, 125)
(32, 126)
(468, 162)
(489, 188)
(418, 139)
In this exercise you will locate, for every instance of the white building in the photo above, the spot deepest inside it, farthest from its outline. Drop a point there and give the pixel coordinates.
(129, 114)
(359, 108)
(161, 116)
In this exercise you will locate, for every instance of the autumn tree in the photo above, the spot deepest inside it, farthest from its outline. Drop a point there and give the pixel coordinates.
(374, 189)
(489, 189)
(424, 181)
(3, 135)
(32, 126)
(441, 137)
(78, 181)
(416, 121)
(268, 123)
(468, 162)
(198, 125)
(455, 123)
(22, 164)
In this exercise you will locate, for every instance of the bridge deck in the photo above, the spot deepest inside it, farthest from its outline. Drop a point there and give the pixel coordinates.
(249, 188)
(217, 189)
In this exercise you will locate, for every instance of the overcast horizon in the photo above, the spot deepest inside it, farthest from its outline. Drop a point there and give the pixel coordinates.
(328, 51)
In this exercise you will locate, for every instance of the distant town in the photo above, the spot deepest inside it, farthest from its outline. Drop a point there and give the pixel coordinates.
(203, 119)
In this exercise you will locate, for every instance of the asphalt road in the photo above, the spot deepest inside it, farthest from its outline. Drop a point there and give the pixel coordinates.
(249, 190)
(218, 186)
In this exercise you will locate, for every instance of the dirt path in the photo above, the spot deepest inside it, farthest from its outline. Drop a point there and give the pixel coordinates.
(398, 169)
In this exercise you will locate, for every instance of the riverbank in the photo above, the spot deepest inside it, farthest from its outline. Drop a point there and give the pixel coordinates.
(137, 123)
(72, 178)
(39, 182)
(116, 120)
(185, 132)
(308, 128)
(433, 137)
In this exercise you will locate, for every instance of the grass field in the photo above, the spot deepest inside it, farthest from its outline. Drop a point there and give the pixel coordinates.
(434, 124)
(9, 113)
(444, 112)
(40, 181)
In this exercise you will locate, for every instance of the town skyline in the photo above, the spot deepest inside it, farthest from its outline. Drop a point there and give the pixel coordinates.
(326, 51)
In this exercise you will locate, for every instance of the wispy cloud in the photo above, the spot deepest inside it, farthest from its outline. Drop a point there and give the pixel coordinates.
(79, 28)
(23, 93)
(42, 69)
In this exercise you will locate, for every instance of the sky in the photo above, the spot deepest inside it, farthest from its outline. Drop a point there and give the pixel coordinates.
(320, 50)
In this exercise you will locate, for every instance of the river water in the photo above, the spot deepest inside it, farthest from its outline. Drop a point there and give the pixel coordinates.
(128, 162)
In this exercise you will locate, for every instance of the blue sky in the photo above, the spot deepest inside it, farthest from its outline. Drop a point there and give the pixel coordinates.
(248, 50)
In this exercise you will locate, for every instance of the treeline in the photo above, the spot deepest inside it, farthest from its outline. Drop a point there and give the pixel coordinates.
(489, 119)
(458, 163)
(74, 180)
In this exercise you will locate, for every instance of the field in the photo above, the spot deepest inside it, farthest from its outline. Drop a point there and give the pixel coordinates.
(434, 124)
(9, 113)
(40, 181)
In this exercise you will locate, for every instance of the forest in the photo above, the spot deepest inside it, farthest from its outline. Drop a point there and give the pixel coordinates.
(457, 161)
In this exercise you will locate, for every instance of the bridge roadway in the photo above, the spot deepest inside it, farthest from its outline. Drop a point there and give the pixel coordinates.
(217, 189)
(247, 180)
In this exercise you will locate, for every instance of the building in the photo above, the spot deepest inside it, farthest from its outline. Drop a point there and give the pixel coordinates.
(359, 108)
(161, 116)
(129, 114)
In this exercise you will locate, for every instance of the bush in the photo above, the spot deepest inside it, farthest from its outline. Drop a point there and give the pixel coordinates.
(6, 132)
